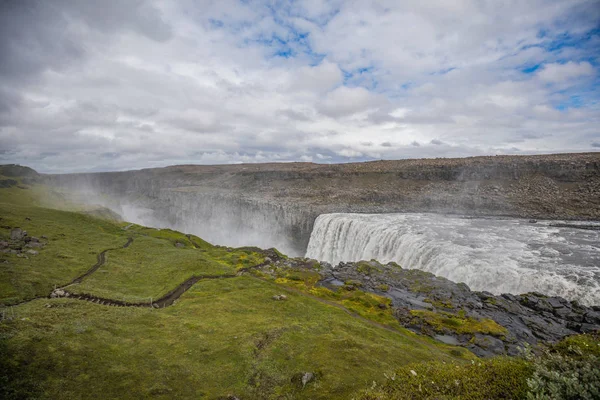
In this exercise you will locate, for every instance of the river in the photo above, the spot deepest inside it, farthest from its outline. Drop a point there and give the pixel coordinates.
(499, 255)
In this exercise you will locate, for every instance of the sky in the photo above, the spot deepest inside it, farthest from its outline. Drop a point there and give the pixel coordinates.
(127, 84)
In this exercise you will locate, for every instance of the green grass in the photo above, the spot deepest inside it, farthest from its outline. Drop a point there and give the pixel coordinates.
(74, 240)
(149, 267)
(222, 337)
(460, 324)
(498, 378)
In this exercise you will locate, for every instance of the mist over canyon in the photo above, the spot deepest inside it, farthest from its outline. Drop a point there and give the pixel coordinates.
(276, 205)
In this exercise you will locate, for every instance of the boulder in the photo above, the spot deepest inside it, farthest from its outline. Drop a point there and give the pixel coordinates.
(58, 293)
(17, 234)
(32, 252)
(307, 377)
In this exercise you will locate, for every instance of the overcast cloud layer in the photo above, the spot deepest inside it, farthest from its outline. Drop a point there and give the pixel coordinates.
(108, 85)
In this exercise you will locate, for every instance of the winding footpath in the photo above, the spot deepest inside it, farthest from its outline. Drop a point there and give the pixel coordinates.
(169, 298)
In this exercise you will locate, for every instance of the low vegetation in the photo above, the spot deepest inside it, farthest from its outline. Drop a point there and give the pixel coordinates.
(231, 337)
(567, 370)
(222, 337)
(441, 321)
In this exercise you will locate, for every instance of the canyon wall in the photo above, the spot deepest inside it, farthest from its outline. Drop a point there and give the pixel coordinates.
(276, 204)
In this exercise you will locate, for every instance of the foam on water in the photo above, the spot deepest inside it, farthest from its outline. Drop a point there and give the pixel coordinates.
(497, 255)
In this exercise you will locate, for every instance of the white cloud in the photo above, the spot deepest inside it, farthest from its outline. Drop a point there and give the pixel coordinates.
(224, 81)
(344, 101)
(318, 79)
(562, 72)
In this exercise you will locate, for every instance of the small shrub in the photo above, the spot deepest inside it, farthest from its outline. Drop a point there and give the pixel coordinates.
(383, 287)
(569, 370)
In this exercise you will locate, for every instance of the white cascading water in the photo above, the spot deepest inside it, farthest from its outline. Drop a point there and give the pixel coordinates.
(497, 255)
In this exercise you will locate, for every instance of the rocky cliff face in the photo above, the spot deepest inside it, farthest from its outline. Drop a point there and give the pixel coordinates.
(268, 204)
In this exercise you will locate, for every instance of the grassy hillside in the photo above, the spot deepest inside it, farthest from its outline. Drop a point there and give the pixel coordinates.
(222, 337)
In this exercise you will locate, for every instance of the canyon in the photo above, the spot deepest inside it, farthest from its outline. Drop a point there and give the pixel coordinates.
(275, 205)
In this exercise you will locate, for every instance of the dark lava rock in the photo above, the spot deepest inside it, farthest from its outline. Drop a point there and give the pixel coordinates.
(528, 318)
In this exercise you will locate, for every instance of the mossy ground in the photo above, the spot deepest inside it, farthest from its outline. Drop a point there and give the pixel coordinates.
(498, 378)
(458, 323)
(566, 370)
(225, 336)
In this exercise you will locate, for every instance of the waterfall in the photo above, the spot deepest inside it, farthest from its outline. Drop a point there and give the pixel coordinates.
(497, 255)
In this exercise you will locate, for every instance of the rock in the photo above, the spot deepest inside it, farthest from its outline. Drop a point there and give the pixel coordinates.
(17, 234)
(3, 245)
(306, 378)
(528, 318)
(489, 343)
(588, 328)
(592, 317)
(533, 221)
(179, 245)
(32, 252)
(568, 315)
(268, 260)
(21, 255)
(35, 244)
(58, 293)
(510, 297)
(44, 237)
(554, 302)
(34, 239)
(280, 297)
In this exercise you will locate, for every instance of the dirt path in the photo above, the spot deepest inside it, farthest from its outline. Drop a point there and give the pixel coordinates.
(162, 302)
(101, 261)
(176, 293)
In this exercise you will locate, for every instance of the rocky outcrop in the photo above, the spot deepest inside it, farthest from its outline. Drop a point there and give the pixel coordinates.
(450, 312)
(21, 244)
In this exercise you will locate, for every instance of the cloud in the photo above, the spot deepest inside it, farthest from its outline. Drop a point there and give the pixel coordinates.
(86, 85)
(320, 78)
(562, 72)
(344, 101)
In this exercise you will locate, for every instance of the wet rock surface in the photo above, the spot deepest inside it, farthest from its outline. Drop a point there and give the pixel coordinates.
(450, 312)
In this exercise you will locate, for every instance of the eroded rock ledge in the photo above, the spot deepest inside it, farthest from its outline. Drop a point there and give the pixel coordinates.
(484, 323)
